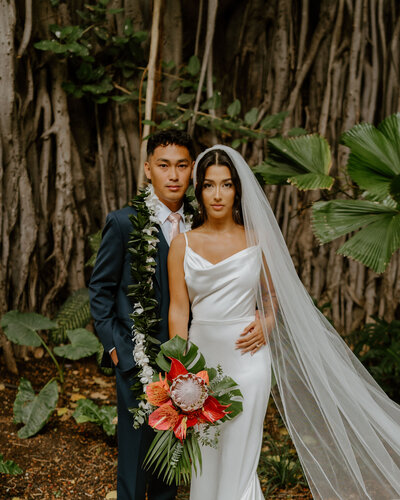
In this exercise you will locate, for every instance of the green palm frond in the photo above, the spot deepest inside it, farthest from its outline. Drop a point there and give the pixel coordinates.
(311, 181)
(332, 219)
(74, 313)
(374, 164)
(390, 127)
(374, 161)
(303, 161)
(274, 172)
(374, 244)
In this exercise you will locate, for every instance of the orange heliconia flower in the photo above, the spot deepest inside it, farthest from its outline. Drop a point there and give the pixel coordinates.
(165, 417)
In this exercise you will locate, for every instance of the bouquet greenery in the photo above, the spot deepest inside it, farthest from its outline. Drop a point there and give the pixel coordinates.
(186, 403)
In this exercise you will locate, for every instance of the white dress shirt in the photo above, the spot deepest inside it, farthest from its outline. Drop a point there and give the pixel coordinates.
(163, 214)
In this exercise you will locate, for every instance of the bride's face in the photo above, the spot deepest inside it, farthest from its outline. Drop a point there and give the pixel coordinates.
(218, 192)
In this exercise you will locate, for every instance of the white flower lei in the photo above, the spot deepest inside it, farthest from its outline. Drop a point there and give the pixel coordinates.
(146, 371)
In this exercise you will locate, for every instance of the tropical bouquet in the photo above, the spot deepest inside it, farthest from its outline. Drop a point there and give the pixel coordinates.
(187, 402)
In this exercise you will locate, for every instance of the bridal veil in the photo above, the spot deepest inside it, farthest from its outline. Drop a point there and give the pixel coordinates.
(345, 429)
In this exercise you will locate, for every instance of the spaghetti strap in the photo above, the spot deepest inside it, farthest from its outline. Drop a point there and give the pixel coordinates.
(187, 244)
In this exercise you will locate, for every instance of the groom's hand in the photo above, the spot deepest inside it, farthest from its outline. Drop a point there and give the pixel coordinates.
(114, 357)
(252, 338)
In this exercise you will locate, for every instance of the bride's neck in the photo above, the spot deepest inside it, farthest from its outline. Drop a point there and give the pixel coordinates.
(219, 225)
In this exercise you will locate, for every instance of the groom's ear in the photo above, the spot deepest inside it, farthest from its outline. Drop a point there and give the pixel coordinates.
(147, 170)
(191, 173)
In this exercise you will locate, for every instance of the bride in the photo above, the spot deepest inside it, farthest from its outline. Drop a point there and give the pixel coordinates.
(234, 272)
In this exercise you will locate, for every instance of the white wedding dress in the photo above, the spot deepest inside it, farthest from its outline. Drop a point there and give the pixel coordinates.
(223, 303)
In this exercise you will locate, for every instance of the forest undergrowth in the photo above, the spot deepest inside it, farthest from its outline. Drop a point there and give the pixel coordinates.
(69, 461)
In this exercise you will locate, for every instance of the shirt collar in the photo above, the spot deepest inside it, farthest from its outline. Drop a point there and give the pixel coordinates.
(164, 211)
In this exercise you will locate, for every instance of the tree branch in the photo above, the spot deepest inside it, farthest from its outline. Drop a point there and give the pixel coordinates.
(27, 28)
(155, 30)
(211, 16)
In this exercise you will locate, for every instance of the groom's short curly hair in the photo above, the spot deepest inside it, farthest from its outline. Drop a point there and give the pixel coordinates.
(170, 136)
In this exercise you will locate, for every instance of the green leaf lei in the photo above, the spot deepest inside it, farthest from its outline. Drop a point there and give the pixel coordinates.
(143, 249)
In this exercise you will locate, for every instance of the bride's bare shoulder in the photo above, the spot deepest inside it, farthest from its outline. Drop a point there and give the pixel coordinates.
(177, 246)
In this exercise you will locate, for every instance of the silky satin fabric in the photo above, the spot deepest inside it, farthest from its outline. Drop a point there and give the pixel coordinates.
(223, 302)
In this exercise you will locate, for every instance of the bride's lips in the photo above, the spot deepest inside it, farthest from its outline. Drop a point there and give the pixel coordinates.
(217, 207)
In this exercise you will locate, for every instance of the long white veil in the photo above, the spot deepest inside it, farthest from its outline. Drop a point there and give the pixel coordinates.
(345, 429)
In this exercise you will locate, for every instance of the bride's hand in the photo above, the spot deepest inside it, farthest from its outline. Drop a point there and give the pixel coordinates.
(252, 337)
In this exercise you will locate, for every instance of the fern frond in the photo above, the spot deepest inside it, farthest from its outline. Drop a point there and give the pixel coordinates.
(74, 313)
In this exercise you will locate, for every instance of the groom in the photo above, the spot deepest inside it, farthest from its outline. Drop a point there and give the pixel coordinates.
(169, 164)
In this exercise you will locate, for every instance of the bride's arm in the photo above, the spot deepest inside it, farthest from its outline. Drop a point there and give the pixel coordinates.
(179, 306)
(256, 334)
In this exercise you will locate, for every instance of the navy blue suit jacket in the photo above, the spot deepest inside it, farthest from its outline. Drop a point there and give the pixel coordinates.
(108, 289)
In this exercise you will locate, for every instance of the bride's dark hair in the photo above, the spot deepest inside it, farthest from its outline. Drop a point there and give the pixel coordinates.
(220, 158)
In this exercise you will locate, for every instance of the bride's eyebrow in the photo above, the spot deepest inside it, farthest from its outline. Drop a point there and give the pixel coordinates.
(223, 180)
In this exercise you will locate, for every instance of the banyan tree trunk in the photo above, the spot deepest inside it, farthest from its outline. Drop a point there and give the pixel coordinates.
(66, 162)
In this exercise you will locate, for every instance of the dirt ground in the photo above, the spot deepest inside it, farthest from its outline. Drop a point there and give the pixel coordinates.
(66, 460)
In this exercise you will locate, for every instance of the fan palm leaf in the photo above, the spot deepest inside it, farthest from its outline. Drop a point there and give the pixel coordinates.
(374, 160)
(379, 235)
(375, 244)
(302, 161)
(374, 164)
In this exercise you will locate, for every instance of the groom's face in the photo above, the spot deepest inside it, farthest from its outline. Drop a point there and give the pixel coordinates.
(170, 169)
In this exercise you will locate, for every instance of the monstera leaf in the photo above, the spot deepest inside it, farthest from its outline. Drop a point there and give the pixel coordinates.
(176, 348)
(34, 410)
(22, 328)
(83, 344)
(302, 161)
(374, 164)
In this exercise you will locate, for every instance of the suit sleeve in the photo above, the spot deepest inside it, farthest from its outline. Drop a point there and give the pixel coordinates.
(105, 281)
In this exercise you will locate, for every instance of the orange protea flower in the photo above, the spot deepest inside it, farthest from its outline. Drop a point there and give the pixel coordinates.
(189, 394)
(165, 417)
(157, 393)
